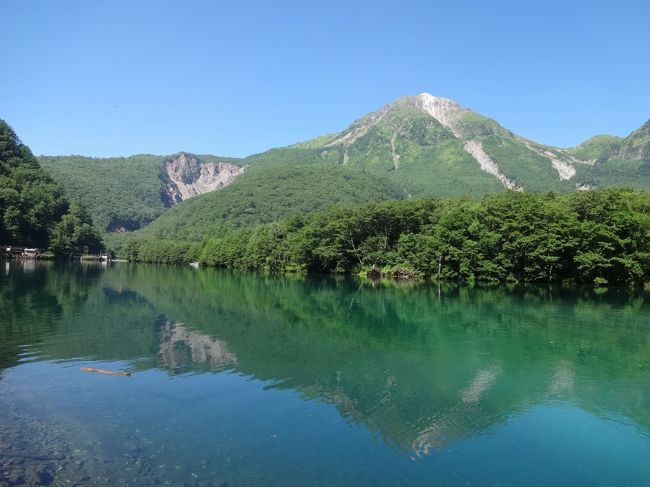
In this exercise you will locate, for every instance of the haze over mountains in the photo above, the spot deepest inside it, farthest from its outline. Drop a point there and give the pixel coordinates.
(416, 146)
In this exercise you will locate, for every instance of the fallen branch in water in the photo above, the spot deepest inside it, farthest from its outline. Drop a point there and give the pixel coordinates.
(107, 372)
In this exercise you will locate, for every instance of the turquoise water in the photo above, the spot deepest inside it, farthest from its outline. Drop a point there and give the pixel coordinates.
(254, 380)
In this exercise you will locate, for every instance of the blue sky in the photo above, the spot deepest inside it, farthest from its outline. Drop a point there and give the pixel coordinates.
(236, 78)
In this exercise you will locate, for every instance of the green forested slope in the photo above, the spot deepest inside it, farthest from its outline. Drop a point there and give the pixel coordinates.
(34, 210)
(616, 161)
(528, 169)
(265, 195)
(119, 191)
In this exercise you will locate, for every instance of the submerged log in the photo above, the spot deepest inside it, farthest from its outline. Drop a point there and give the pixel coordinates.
(103, 371)
(403, 274)
(374, 273)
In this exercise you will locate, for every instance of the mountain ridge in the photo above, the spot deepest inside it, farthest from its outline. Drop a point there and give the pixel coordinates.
(428, 146)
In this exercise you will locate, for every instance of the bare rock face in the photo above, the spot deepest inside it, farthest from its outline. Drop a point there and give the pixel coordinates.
(186, 175)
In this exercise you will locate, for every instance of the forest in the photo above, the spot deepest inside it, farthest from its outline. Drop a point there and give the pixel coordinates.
(34, 210)
(267, 194)
(118, 191)
(594, 237)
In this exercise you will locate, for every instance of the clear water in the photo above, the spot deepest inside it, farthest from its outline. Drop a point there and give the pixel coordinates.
(245, 380)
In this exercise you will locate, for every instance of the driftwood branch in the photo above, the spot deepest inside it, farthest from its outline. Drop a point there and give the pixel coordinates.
(107, 372)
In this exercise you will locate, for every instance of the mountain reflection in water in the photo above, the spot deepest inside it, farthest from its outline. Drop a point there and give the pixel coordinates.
(421, 366)
(181, 348)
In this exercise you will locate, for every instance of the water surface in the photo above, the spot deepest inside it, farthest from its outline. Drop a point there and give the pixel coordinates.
(253, 380)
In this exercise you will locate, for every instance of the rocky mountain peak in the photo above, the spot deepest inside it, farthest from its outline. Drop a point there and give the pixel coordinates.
(437, 100)
(444, 110)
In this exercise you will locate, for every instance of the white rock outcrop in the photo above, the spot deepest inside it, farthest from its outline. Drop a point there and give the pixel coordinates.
(187, 176)
(447, 112)
(475, 149)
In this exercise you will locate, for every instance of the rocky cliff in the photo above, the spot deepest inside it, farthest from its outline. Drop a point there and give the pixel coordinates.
(185, 175)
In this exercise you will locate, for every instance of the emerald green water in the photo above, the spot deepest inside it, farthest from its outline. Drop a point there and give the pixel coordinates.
(253, 380)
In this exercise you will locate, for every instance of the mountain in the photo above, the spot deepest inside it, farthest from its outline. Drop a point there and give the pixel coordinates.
(34, 210)
(126, 193)
(432, 146)
(425, 145)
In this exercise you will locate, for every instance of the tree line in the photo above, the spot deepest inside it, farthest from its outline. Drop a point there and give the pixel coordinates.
(595, 237)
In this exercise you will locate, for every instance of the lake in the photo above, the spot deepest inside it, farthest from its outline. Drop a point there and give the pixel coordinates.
(242, 379)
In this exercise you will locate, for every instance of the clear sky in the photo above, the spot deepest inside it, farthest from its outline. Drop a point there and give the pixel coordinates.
(118, 77)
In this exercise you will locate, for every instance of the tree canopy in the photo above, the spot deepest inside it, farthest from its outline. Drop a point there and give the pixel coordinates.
(594, 237)
(32, 205)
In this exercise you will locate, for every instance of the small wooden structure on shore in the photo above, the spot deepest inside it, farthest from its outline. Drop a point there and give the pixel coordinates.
(20, 252)
(16, 252)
